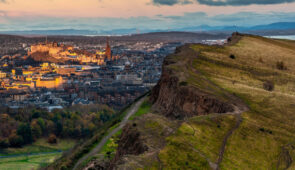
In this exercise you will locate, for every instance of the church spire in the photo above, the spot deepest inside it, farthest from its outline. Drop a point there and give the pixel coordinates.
(108, 50)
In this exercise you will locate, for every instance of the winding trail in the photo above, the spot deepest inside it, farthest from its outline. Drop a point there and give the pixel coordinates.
(237, 112)
(239, 108)
(134, 108)
(224, 142)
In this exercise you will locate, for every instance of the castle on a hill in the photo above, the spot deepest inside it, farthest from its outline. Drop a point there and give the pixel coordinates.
(61, 51)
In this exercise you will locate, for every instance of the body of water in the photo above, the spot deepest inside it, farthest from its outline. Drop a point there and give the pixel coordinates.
(287, 37)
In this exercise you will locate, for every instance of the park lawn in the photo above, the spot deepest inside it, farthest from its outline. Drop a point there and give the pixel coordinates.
(28, 162)
(43, 154)
(41, 145)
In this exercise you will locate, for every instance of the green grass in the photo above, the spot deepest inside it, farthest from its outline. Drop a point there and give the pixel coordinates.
(178, 155)
(200, 136)
(40, 145)
(18, 161)
(110, 148)
(143, 109)
(249, 147)
(27, 162)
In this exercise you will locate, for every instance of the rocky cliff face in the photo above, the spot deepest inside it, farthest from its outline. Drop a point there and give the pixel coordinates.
(130, 143)
(172, 99)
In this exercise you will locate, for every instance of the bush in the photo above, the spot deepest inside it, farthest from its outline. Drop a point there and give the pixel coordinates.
(281, 65)
(265, 130)
(16, 140)
(52, 139)
(183, 83)
(4, 143)
(232, 56)
(268, 85)
(25, 131)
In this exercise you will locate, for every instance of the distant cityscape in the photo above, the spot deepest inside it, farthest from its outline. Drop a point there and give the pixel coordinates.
(54, 75)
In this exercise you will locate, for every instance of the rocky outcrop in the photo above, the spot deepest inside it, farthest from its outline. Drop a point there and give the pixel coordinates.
(130, 143)
(179, 100)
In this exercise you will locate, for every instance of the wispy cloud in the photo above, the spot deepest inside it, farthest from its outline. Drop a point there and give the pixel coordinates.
(171, 2)
(221, 2)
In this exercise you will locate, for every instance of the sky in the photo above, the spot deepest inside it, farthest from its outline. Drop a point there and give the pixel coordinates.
(140, 14)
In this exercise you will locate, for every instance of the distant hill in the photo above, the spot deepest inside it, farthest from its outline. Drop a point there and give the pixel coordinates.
(275, 28)
(52, 32)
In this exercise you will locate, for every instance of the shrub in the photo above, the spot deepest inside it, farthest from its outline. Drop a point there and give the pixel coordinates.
(4, 143)
(265, 130)
(281, 65)
(183, 83)
(25, 131)
(232, 56)
(16, 140)
(268, 85)
(52, 139)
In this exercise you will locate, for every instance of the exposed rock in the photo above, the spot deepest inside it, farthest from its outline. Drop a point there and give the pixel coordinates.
(130, 143)
(176, 101)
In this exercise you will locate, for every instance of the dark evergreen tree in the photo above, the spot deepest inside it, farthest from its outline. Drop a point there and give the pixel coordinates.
(25, 131)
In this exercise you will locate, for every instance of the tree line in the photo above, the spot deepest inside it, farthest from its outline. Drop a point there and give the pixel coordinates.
(27, 125)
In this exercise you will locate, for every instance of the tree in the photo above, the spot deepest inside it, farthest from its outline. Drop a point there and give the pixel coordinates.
(36, 114)
(52, 139)
(36, 130)
(4, 143)
(58, 128)
(15, 140)
(42, 124)
(50, 127)
(25, 131)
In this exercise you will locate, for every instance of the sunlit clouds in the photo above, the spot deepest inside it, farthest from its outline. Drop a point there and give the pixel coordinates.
(98, 14)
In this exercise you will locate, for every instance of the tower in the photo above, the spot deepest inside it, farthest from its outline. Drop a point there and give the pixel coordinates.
(108, 51)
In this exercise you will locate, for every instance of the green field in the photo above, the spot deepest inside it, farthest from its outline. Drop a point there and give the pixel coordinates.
(39, 154)
(27, 162)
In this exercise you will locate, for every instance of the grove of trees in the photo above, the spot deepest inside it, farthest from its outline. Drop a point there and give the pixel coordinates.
(27, 125)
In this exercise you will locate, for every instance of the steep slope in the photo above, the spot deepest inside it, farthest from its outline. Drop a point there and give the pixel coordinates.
(216, 107)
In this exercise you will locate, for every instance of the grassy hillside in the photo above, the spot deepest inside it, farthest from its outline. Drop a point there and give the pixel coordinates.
(256, 71)
(265, 137)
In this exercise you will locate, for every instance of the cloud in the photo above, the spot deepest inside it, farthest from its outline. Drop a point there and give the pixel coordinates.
(171, 2)
(242, 2)
(221, 2)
